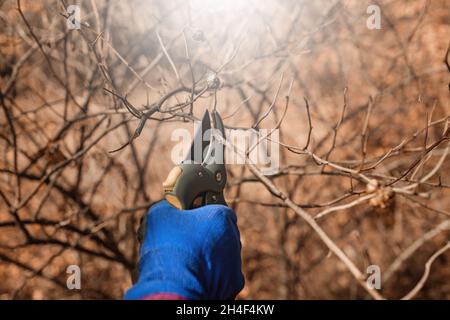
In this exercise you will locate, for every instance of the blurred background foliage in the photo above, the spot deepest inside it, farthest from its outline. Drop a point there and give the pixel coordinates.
(380, 95)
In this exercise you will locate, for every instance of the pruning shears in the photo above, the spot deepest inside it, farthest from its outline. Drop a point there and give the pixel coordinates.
(199, 180)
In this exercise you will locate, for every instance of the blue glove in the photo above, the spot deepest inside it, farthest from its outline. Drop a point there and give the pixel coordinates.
(194, 254)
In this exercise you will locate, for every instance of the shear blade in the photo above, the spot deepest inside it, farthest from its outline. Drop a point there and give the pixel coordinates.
(201, 141)
(216, 148)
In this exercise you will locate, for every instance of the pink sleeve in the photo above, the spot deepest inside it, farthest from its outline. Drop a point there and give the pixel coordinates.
(164, 296)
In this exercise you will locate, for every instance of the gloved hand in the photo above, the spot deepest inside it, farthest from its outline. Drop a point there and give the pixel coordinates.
(194, 254)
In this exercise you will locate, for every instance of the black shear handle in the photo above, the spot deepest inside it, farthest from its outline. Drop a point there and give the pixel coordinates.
(192, 185)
